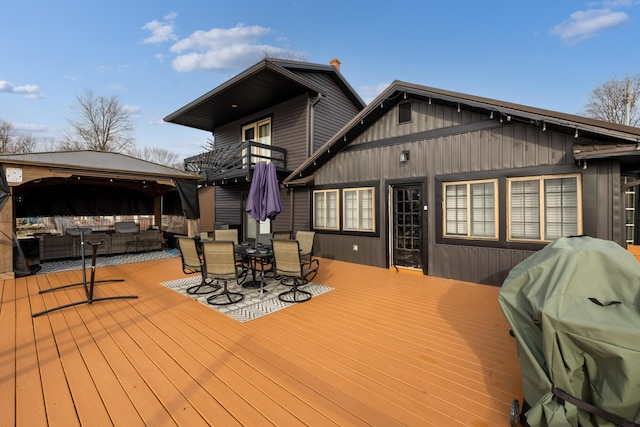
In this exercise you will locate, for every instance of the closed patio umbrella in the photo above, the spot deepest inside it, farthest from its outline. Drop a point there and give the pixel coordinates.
(264, 194)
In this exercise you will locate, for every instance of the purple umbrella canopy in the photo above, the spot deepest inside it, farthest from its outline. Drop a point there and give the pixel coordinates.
(264, 194)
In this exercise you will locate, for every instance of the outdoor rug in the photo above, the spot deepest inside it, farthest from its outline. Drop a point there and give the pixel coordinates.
(76, 264)
(252, 306)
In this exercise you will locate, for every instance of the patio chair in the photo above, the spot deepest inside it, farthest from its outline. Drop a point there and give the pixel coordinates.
(286, 235)
(192, 263)
(219, 264)
(305, 238)
(231, 234)
(293, 271)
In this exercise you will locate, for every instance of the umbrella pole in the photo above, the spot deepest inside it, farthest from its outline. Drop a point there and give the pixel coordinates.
(255, 244)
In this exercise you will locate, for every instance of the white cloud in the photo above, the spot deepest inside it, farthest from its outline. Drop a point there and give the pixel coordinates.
(617, 3)
(29, 127)
(223, 49)
(134, 110)
(368, 93)
(28, 91)
(218, 38)
(585, 24)
(161, 31)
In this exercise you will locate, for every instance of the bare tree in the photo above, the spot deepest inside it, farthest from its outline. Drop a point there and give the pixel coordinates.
(609, 101)
(101, 124)
(157, 155)
(289, 55)
(12, 144)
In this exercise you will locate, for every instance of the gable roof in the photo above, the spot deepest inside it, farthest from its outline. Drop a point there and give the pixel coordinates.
(99, 163)
(398, 91)
(267, 83)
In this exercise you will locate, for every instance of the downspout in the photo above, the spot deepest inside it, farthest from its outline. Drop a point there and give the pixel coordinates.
(310, 124)
(309, 147)
(292, 210)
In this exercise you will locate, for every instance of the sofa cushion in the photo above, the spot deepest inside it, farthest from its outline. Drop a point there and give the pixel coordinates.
(76, 231)
(126, 227)
(57, 246)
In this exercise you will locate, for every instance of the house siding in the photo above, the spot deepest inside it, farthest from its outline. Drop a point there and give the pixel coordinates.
(290, 130)
(498, 148)
(332, 112)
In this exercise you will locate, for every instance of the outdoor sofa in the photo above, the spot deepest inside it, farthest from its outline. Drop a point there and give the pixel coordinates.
(125, 238)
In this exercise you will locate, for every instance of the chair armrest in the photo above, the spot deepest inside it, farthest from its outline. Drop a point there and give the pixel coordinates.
(314, 264)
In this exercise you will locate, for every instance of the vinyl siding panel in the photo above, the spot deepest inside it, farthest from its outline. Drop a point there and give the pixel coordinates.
(229, 204)
(301, 213)
(333, 110)
(506, 147)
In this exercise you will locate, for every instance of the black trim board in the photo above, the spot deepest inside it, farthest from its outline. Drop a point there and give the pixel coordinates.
(426, 135)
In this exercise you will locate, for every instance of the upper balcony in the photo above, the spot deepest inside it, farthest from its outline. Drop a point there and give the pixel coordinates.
(234, 164)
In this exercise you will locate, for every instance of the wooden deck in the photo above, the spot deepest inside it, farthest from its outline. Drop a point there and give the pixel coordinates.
(382, 349)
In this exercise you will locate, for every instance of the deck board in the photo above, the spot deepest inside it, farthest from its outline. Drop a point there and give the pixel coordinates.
(382, 348)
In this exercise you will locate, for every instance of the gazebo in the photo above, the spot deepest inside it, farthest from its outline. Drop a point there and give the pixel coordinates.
(88, 183)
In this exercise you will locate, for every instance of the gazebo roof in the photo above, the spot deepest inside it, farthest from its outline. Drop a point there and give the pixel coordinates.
(98, 163)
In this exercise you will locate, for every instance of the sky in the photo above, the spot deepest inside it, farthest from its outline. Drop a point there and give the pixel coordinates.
(157, 56)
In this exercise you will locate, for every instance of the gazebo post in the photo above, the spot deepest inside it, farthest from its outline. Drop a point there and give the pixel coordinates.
(7, 228)
(157, 211)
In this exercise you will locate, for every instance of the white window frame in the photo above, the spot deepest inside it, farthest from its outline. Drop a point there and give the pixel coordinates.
(360, 216)
(542, 210)
(326, 210)
(466, 211)
(265, 140)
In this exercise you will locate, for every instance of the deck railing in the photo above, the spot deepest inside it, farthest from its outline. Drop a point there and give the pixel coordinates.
(233, 162)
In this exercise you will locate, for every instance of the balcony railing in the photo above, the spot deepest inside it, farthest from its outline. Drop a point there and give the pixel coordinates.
(234, 164)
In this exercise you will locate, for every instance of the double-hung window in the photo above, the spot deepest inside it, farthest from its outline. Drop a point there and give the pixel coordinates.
(325, 209)
(470, 209)
(358, 212)
(544, 208)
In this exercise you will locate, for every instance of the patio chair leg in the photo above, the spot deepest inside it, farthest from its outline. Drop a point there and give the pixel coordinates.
(231, 297)
(203, 288)
(295, 294)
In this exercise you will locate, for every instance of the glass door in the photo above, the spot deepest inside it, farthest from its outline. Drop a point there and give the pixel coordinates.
(407, 226)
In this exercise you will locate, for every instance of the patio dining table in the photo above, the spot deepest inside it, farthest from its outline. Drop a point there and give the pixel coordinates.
(256, 258)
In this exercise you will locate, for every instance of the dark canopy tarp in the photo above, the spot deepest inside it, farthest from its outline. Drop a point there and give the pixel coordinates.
(4, 188)
(574, 308)
(188, 189)
(80, 200)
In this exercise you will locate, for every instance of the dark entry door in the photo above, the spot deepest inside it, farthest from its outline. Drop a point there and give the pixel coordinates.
(407, 226)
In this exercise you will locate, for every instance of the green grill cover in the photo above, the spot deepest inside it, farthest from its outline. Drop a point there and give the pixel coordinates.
(574, 308)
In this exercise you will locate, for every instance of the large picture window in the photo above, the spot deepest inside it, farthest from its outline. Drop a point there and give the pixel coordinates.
(325, 209)
(544, 208)
(470, 209)
(358, 209)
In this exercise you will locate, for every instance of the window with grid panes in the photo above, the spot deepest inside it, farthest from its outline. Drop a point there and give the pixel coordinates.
(470, 209)
(358, 209)
(544, 208)
(325, 209)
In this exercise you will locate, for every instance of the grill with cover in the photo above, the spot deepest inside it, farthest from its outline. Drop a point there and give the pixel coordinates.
(574, 309)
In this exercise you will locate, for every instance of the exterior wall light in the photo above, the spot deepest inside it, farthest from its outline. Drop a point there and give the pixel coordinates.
(404, 156)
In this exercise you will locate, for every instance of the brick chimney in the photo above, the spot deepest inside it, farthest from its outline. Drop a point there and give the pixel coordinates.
(336, 63)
